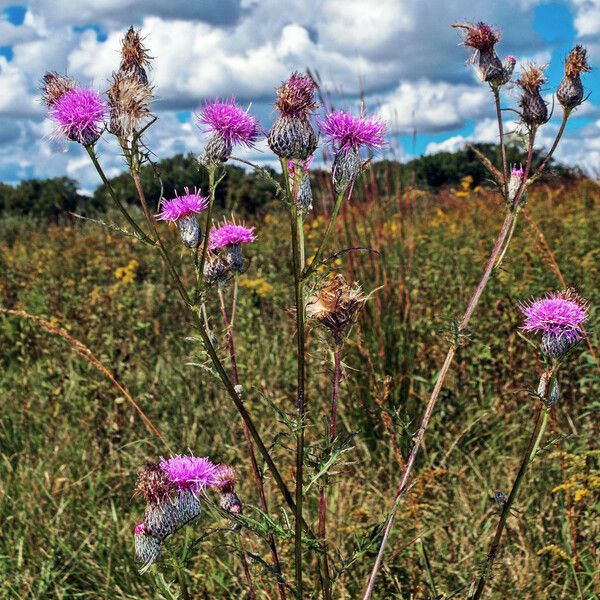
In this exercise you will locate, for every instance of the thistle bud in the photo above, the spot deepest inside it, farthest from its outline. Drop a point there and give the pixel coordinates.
(218, 150)
(345, 170)
(215, 270)
(570, 90)
(189, 232)
(335, 305)
(514, 183)
(187, 505)
(292, 136)
(482, 38)
(231, 503)
(534, 110)
(304, 198)
(162, 519)
(147, 548)
(508, 66)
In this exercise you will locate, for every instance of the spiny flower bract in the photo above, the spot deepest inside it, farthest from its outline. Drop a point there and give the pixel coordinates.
(79, 115)
(232, 123)
(348, 132)
(559, 314)
(231, 234)
(190, 472)
(182, 206)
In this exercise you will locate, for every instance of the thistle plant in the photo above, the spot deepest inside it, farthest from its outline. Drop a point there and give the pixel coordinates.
(558, 319)
(512, 186)
(213, 255)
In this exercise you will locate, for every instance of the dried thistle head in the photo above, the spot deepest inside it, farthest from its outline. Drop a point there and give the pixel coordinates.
(54, 87)
(335, 305)
(295, 97)
(134, 55)
(576, 62)
(154, 484)
(479, 36)
(129, 103)
(532, 78)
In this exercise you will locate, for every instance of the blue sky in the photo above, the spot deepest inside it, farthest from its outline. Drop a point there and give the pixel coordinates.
(402, 54)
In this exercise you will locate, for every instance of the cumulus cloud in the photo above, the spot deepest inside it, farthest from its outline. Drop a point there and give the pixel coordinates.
(401, 55)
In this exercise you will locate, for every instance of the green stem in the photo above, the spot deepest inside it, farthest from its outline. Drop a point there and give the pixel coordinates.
(511, 231)
(496, 91)
(317, 257)
(541, 418)
(212, 187)
(297, 233)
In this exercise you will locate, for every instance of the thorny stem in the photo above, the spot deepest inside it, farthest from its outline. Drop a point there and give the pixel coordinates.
(511, 231)
(246, 568)
(216, 361)
(337, 375)
(403, 486)
(297, 233)
(496, 91)
(249, 445)
(212, 187)
(541, 419)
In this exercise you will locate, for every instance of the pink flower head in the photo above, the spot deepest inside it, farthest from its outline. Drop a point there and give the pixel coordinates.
(231, 122)
(190, 472)
(292, 166)
(517, 172)
(559, 315)
(225, 479)
(182, 206)
(79, 114)
(350, 133)
(511, 59)
(139, 528)
(231, 234)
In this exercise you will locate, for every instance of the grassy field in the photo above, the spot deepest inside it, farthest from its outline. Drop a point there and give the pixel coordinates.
(70, 446)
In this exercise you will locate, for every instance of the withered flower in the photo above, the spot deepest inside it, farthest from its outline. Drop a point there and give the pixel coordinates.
(570, 90)
(335, 305)
(534, 110)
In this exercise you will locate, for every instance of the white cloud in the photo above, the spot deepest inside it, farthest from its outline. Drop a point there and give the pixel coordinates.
(401, 54)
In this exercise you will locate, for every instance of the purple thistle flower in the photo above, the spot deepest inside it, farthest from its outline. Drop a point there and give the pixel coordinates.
(181, 207)
(225, 479)
(139, 528)
(79, 114)
(559, 318)
(231, 234)
(233, 124)
(188, 472)
(350, 133)
(518, 172)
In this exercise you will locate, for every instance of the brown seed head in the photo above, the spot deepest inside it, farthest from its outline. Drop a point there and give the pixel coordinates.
(532, 78)
(295, 97)
(576, 62)
(54, 86)
(335, 305)
(133, 52)
(153, 484)
(129, 102)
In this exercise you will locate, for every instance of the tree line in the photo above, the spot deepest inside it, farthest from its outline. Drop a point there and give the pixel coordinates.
(245, 191)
